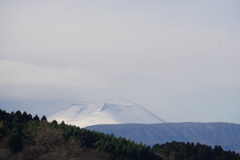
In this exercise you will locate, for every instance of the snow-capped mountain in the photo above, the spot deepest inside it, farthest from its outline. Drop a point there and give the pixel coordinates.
(113, 111)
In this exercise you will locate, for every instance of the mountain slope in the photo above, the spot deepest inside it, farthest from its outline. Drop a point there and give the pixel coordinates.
(113, 111)
(225, 134)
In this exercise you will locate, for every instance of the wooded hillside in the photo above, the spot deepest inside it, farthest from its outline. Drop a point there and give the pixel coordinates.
(25, 137)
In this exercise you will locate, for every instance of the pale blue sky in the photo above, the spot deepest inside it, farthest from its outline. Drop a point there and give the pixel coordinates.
(179, 59)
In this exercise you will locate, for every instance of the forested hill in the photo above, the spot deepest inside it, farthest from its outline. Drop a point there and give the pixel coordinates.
(25, 137)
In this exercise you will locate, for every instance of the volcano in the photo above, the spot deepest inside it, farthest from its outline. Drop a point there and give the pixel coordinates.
(113, 111)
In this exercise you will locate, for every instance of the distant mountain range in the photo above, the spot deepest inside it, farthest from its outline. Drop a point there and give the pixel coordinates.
(225, 134)
(132, 121)
(111, 111)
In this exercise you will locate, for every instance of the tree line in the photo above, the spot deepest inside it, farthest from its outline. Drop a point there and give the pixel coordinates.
(23, 136)
(191, 151)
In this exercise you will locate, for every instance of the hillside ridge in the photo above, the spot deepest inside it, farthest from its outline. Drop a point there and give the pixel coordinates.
(215, 133)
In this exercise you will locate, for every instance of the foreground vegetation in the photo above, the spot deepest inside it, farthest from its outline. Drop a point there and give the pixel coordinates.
(25, 137)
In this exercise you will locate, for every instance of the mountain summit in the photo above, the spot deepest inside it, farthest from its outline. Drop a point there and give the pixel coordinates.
(112, 111)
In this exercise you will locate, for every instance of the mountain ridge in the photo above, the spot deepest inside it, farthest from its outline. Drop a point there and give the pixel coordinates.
(213, 133)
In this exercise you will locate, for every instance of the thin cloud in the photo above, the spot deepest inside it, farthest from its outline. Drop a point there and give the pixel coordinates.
(163, 55)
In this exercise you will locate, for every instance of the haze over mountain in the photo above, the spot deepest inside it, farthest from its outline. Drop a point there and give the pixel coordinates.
(111, 111)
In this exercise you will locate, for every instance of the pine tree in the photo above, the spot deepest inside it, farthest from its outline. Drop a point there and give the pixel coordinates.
(43, 118)
(36, 118)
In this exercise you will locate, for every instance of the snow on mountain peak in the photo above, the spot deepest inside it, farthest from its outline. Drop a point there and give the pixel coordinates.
(111, 111)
